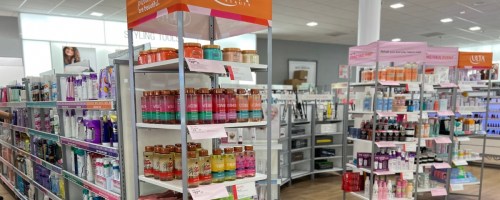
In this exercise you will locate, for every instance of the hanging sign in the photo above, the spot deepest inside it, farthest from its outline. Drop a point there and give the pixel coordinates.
(363, 54)
(442, 56)
(343, 71)
(475, 60)
(401, 51)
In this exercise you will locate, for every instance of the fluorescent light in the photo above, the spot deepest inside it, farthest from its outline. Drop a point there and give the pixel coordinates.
(475, 28)
(311, 24)
(397, 5)
(97, 14)
(462, 12)
(396, 40)
(447, 20)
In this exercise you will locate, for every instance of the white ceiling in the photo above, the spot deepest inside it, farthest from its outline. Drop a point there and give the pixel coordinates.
(337, 18)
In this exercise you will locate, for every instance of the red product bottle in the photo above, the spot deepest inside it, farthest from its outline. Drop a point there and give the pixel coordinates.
(167, 108)
(205, 106)
(219, 106)
(230, 106)
(144, 106)
(156, 103)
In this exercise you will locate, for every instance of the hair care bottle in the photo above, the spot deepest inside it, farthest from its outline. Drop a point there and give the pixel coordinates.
(367, 186)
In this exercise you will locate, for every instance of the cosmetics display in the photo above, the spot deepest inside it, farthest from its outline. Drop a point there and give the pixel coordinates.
(98, 127)
(383, 187)
(90, 86)
(49, 180)
(408, 72)
(43, 88)
(203, 106)
(15, 93)
(163, 163)
(388, 129)
(393, 160)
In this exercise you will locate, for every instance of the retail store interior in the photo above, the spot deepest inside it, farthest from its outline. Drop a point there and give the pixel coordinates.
(249, 99)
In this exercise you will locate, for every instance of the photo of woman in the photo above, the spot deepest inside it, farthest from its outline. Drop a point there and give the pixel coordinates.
(71, 55)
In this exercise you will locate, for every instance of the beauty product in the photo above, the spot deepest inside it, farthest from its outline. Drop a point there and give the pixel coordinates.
(166, 162)
(231, 107)
(193, 170)
(178, 163)
(217, 165)
(255, 106)
(191, 106)
(242, 106)
(89, 168)
(205, 106)
(81, 163)
(156, 161)
(205, 167)
(113, 118)
(148, 161)
(70, 91)
(367, 186)
(219, 106)
(249, 161)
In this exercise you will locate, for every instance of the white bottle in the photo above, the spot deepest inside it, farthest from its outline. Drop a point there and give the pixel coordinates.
(79, 88)
(67, 124)
(375, 190)
(367, 186)
(90, 89)
(90, 169)
(390, 194)
(74, 131)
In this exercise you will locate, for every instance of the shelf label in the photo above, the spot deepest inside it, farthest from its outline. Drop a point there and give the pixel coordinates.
(445, 113)
(407, 175)
(107, 151)
(44, 135)
(382, 173)
(389, 83)
(412, 117)
(385, 144)
(413, 87)
(438, 192)
(441, 165)
(208, 66)
(210, 131)
(386, 114)
(457, 187)
(429, 88)
(244, 190)
(465, 87)
(410, 147)
(465, 112)
(209, 192)
(99, 105)
(240, 73)
(442, 140)
(448, 85)
(460, 162)
(463, 139)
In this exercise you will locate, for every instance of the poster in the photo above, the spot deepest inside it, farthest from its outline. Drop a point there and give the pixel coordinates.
(343, 71)
(309, 66)
(77, 59)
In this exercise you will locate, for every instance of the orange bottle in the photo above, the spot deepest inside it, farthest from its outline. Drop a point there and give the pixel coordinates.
(390, 74)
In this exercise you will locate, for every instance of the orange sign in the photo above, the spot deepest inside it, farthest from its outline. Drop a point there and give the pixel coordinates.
(139, 11)
(475, 60)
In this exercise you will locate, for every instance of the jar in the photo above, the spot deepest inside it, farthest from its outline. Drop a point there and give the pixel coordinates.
(177, 102)
(407, 72)
(249, 161)
(193, 170)
(382, 74)
(144, 107)
(178, 163)
(193, 50)
(212, 52)
(217, 164)
(205, 106)
(229, 164)
(163, 54)
(156, 161)
(205, 167)
(191, 107)
(230, 106)
(166, 165)
(219, 105)
(167, 109)
(250, 56)
(390, 73)
(156, 104)
(143, 58)
(152, 55)
(232, 55)
(148, 161)
(240, 162)
(255, 106)
(198, 148)
(399, 71)
(242, 105)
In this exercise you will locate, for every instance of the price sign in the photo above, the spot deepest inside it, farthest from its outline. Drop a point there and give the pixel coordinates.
(413, 87)
(410, 147)
(441, 165)
(442, 140)
(208, 66)
(209, 192)
(385, 144)
(244, 190)
(389, 83)
(386, 114)
(460, 162)
(463, 139)
(457, 187)
(448, 85)
(412, 117)
(465, 88)
(445, 113)
(429, 88)
(240, 73)
(438, 192)
(407, 175)
(199, 132)
(465, 112)
(382, 173)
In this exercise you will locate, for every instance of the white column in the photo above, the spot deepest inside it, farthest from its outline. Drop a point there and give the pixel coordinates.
(369, 21)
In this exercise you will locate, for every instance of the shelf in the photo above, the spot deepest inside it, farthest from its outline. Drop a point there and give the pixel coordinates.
(463, 162)
(328, 133)
(14, 127)
(300, 161)
(90, 186)
(300, 122)
(301, 136)
(330, 157)
(328, 121)
(384, 83)
(44, 135)
(106, 104)
(40, 161)
(256, 146)
(12, 188)
(91, 147)
(361, 112)
(172, 65)
(12, 104)
(335, 169)
(41, 104)
(369, 141)
(178, 126)
(176, 185)
(300, 149)
(380, 173)
(298, 174)
(328, 146)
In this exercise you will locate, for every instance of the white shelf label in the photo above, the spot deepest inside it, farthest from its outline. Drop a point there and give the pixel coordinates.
(240, 73)
(407, 175)
(245, 190)
(441, 165)
(442, 140)
(413, 87)
(438, 192)
(448, 85)
(209, 131)
(208, 66)
(463, 139)
(209, 192)
(390, 83)
(410, 147)
(457, 187)
(429, 88)
(460, 162)
(385, 144)
(465, 88)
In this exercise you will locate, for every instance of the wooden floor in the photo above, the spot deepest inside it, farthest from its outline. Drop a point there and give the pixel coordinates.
(327, 187)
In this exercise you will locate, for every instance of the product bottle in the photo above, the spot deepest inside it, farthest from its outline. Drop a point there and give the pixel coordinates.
(219, 106)
(205, 167)
(367, 186)
(409, 190)
(231, 107)
(380, 101)
(156, 103)
(249, 161)
(70, 91)
(242, 105)
(114, 127)
(144, 107)
(90, 168)
(81, 163)
(156, 161)
(367, 103)
(255, 106)
(229, 165)
(205, 106)
(178, 163)
(116, 176)
(191, 107)
(240, 162)
(148, 161)
(106, 130)
(168, 107)
(217, 164)
(399, 189)
(193, 170)
(177, 102)
(375, 190)
(166, 164)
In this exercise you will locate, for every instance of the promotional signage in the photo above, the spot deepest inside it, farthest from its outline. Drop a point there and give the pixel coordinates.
(442, 56)
(383, 51)
(475, 60)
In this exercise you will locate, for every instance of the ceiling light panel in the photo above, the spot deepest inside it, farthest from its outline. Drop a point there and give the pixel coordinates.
(397, 5)
(447, 20)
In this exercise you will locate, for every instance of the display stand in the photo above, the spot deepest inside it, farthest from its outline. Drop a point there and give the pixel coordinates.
(208, 20)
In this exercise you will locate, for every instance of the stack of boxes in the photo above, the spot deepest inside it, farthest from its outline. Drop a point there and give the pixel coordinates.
(299, 77)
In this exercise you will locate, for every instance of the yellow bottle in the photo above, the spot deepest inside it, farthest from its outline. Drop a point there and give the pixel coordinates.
(217, 162)
(229, 164)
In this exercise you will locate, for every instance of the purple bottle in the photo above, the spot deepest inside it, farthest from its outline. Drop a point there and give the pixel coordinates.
(93, 126)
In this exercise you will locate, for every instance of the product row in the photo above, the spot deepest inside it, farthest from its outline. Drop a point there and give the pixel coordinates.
(407, 72)
(387, 160)
(196, 50)
(164, 163)
(90, 86)
(203, 106)
(98, 127)
(383, 189)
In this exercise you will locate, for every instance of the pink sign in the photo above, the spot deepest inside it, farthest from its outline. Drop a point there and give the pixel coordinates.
(207, 66)
(385, 144)
(382, 173)
(363, 54)
(209, 131)
(445, 113)
(448, 85)
(208, 192)
(401, 51)
(386, 114)
(442, 140)
(438, 192)
(442, 56)
(441, 165)
(392, 83)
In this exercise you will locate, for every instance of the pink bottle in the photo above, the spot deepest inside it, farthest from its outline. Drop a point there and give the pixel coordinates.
(399, 189)
(144, 106)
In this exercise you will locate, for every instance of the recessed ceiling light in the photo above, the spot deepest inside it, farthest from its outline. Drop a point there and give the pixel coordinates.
(462, 12)
(475, 28)
(97, 14)
(396, 40)
(397, 5)
(447, 20)
(311, 24)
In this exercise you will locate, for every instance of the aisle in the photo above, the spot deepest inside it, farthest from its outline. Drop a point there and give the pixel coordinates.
(5, 193)
(327, 187)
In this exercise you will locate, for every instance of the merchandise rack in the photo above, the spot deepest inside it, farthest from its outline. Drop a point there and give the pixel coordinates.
(212, 22)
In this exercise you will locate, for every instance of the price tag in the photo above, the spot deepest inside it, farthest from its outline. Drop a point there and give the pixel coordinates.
(438, 192)
(463, 139)
(429, 88)
(244, 190)
(208, 66)
(199, 132)
(457, 187)
(407, 175)
(445, 113)
(413, 87)
(460, 162)
(382, 173)
(240, 73)
(465, 88)
(209, 192)
(386, 114)
(410, 147)
(412, 117)
(425, 115)
(442, 140)
(385, 144)
(465, 112)
(448, 85)
(441, 165)
(390, 83)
